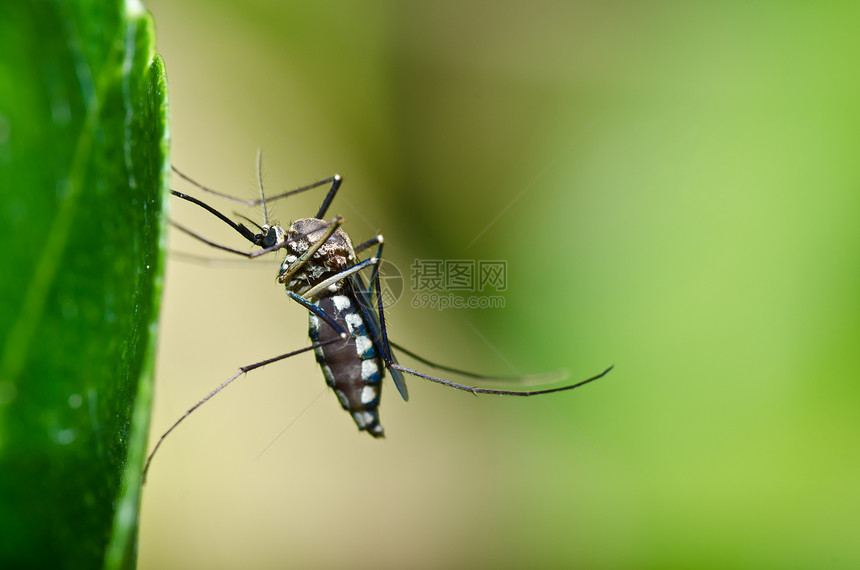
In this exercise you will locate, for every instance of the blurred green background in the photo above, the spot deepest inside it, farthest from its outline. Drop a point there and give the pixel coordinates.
(674, 186)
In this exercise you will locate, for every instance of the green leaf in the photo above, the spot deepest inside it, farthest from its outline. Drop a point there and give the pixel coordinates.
(83, 175)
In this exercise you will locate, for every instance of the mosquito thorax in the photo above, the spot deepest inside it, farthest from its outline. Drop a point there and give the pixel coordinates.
(335, 255)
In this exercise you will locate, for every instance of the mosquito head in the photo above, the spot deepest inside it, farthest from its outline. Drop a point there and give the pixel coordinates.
(270, 236)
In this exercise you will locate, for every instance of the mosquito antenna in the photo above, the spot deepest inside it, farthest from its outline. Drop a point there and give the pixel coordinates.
(260, 184)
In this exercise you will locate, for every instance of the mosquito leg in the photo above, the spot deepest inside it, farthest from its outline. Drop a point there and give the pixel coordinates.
(544, 378)
(318, 312)
(476, 390)
(210, 395)
(386, 347)
(369, 243)
(323, 285)
(393, 365)
(377, 240)
(217, 261)
(200, 186)
(335, 182)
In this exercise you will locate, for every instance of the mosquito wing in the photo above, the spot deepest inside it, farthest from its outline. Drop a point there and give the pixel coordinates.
(371, 320)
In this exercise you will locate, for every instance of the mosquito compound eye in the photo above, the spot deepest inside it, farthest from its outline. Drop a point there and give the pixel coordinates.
(271, 237)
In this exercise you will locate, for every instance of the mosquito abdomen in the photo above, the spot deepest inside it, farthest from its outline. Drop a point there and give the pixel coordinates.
(352, 367)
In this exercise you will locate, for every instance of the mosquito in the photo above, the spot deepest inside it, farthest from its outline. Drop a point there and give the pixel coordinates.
(322, 272)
